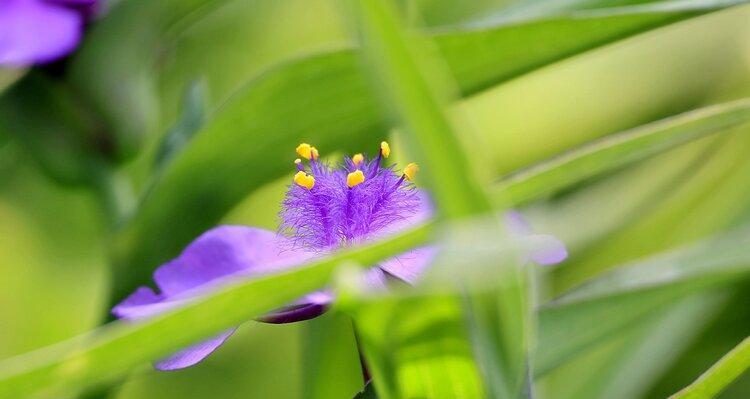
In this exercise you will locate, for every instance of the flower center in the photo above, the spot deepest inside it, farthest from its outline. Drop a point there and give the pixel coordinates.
(329, 206)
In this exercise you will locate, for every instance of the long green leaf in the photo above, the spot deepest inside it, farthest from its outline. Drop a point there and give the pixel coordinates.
(585, 316)
(720, 375)
(106, 354)
(412, 83)
(620, 149)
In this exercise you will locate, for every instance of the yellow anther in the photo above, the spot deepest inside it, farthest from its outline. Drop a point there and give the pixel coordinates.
(304, 180)
(358, 158)
(354, 178)
(411, 170)
(314, 152)
(297, 161)
(304, 150)
(385, 149)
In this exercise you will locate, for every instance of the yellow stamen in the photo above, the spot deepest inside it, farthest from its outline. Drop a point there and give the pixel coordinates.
(358, 158)
(297, 161)
(304, 180)
(304, 150)
(314, 152)
(411, 170)
(385, 149)
(354, 178)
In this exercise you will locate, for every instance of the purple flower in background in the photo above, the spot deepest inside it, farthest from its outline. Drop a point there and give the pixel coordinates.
(40, 31)
(325, 208)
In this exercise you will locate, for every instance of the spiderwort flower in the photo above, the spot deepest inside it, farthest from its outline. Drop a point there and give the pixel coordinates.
(325, 208)
(40, 31)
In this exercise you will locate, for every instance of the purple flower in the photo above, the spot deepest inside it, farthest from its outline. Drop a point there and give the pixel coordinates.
(40, 31)
(325, 208)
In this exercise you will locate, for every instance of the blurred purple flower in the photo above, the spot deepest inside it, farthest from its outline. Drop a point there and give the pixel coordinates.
(41, 31)
(326, 208)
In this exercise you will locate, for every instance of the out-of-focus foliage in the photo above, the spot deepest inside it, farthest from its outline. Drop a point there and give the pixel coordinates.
(620, 126)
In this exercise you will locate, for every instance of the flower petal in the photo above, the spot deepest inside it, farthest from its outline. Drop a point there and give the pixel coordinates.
(309, 307)
(545, 249)
(32, 31)
(193, 354)
(410, 265)
(224, 251)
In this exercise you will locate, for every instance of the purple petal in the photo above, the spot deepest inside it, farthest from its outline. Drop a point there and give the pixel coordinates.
(223, 251)
(516, 223)
(140, 304)
(409, 266)
(317, 303)
(310, 306)
(34, 32)
(87, 8)
(543, 249)
(546, 249)
(193, 354)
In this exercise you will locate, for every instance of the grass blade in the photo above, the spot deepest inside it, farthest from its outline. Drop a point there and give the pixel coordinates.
(621, 149)
(412, 83)
(720, 375)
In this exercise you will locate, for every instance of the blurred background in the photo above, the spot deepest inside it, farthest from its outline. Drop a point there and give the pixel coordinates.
(56, 249)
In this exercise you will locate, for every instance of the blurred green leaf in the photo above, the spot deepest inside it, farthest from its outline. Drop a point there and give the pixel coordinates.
(56, 129)
(721, 374)
(191, 120)
(632, 360)
(621, 149)
(413, 85)
(330, 354)
(589, 314)
(115, 68)
(116, 349)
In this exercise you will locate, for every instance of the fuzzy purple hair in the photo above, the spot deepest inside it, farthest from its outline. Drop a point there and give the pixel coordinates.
(331, 214)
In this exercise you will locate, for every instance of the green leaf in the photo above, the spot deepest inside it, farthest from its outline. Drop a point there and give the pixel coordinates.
(720, 375)
(518, 40)
(111, 352)
(55, 128)
(330, 354)
(618, 150)
(190, 122)
(410, 81)
(588, 315)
